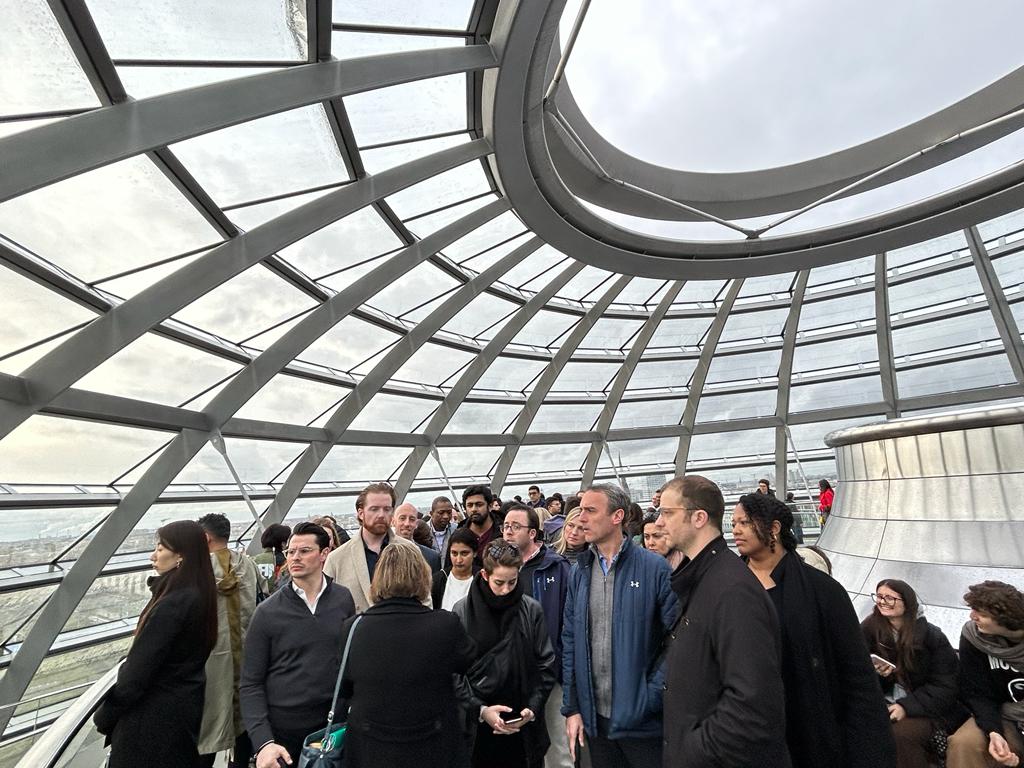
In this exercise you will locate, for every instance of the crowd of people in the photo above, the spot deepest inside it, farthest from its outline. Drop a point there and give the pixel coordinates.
(555, 632)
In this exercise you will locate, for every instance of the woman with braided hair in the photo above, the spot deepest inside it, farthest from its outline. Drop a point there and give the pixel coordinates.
(835, 712)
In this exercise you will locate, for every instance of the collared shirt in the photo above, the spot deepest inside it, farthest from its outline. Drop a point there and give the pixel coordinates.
(371, 556)
(605, 565)
(439, 537)
(302, 593)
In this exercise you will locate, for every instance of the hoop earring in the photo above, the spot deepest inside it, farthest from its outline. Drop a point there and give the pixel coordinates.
(178, 564)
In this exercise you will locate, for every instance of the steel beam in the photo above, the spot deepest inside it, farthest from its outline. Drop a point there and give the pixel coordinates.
(107, 335)
(1001, 312)
(785, 378)
(50, 153)
(883, 335)
(346, 413)
(469, 378)
(548, 377)
(700, 373)
(622, 377)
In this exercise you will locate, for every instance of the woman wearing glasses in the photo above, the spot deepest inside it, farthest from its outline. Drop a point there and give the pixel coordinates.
(917, 668)
(514, 669)
(835, 713)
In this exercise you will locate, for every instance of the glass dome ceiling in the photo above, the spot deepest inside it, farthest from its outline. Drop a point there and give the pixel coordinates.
(255, 271)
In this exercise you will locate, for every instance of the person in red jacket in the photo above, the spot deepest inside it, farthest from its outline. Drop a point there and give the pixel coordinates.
(825, 499)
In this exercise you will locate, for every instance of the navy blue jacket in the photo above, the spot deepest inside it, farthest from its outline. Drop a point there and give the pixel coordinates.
(549, 588)
(644, 608)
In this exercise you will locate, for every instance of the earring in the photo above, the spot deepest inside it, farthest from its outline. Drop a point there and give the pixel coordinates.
(178, 564)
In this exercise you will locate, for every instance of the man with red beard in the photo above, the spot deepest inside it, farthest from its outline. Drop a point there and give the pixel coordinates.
(352, 564)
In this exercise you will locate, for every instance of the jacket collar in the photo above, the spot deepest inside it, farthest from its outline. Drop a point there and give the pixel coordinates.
(590, 552)
(395, 605)
(689, 574)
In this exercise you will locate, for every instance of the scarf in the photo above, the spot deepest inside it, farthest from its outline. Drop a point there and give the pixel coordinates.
(999, 648)
(504, 651)
(488, 616)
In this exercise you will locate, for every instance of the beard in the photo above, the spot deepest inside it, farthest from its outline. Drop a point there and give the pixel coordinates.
(478, 518)
(377, 528)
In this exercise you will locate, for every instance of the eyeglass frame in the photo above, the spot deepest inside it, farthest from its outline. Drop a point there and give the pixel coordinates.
(885, 599)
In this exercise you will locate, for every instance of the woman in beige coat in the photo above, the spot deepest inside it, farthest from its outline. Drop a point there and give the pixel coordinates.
(235, 574)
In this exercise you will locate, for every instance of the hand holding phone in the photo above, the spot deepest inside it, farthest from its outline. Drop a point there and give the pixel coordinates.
(884, 667)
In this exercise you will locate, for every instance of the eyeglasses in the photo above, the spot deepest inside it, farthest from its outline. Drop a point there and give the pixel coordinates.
(301, 552)
(885, 599)
(513, 527)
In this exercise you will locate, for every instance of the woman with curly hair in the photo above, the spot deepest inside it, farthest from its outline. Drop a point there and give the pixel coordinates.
(920, 676)
(835, 712)
(991, 679)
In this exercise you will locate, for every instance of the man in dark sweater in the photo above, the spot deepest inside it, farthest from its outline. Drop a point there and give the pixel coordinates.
(292, 652)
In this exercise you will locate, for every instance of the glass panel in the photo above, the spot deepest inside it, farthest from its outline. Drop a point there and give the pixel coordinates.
(447, 188)
(549, 458)
(954, 377)
(158, 370)
(736, 481)
(292, 400)
(510, 374)
(483, 317)
(612, 333)
(585, 377)
(720, 446)
(662, 373)
(482, 238)
(355, 238)
(351, 45)
(811, 437)
(143, 82)
(586, 285)
(341, 508)
(648, 413)
(545, 327)
(120, 216)
(863, 268)
(51, 450)
(202, 29)
(566, 418)
(255, 461)
(477, 461)
(745, 326)
(348, 344)
(441, 14)
(414, 288)
(393, 413)
(766, 287)
(695, 291)
(286, 152)
(857, 351)
(756, 365)
(1010, 269)
(143, 538)
(16, 607)
(628, 454)
(38, 70)
(816, 315)
(921, 252)
(825, 469)
(405, 111)
(230, 311)
(32, 313)
(831, 394)
(361, 464)
(433, 364)
(639, 291)
(929, 293)
(544, 259)
(1003, 230)
(961, 331)
(30, 536)
(741, 405)
(482, 418)
(680, 332)
(383, 158)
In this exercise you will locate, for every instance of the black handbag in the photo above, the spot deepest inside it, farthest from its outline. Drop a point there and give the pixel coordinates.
(326, 748)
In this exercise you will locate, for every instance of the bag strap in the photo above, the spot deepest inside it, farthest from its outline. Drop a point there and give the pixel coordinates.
(337, 684)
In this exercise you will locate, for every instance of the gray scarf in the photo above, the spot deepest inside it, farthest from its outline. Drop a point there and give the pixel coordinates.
(1000, 648)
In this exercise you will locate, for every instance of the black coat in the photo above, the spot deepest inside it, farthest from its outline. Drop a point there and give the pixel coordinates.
(399, 682)
(152, 714)
(932, 683)
(723, 697)
(836, 714)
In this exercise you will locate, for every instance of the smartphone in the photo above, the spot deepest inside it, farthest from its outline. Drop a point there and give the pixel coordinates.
(510, 718)
(879, 659)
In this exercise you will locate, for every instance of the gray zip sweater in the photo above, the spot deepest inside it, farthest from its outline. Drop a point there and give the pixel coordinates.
(291, 661)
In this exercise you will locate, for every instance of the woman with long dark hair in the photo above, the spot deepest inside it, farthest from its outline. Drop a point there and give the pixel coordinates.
(835, 712)
(513, 669)
(919, 679)
(825, 498)
(152, 714)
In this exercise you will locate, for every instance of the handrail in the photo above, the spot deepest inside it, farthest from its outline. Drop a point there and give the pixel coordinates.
(42, 696)
(51, 744)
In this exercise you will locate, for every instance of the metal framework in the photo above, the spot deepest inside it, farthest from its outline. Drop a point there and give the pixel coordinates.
(533, 169)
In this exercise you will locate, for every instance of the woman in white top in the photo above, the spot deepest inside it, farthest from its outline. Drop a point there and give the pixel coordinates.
(451, 586)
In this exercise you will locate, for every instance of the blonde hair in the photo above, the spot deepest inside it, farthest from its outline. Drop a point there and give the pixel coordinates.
(401, 571)
(560, 545)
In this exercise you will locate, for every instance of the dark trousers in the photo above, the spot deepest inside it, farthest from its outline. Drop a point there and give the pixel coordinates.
(241, 754)
(912, 735)
(622, 753)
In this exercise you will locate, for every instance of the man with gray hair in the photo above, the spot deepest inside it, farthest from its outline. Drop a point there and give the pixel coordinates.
(619, 605)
